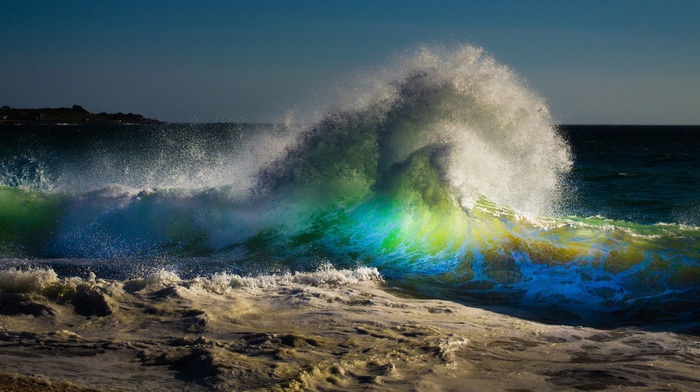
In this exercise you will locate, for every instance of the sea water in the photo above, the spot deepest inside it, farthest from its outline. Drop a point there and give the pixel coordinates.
(445, 174)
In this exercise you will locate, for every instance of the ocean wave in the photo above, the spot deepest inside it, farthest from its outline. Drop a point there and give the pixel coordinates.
(448, 168)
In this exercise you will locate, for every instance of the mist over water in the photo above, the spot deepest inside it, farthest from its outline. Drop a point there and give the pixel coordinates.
(444, 171)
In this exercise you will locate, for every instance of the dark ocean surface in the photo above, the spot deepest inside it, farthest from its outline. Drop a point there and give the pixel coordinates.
(643, 174)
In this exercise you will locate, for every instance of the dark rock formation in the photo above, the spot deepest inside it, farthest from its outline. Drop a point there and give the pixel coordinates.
(74, 115)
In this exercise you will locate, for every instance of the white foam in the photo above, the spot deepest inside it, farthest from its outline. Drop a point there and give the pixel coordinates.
(325, 276)
(46, 281)
(15, 280)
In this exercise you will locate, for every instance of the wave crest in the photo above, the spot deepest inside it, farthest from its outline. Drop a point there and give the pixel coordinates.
(485, 131)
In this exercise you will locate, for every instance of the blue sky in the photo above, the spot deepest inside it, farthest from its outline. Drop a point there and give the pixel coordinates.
(595, 61)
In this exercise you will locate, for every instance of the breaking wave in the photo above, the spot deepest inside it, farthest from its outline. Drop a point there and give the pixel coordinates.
(445, 173)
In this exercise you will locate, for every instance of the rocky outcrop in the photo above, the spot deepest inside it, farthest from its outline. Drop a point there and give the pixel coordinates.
(74, 115)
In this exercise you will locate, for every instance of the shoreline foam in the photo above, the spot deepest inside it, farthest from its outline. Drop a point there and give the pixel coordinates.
(327, 330)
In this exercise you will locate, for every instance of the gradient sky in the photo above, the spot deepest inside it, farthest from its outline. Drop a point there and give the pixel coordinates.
(596, 61)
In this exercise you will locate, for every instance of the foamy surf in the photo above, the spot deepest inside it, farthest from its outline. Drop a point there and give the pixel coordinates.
(331, 329)
(45, 281)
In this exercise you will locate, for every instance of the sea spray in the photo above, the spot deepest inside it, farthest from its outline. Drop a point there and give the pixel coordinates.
(486, 133)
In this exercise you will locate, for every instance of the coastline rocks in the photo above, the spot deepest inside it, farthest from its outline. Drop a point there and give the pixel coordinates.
(74, 115)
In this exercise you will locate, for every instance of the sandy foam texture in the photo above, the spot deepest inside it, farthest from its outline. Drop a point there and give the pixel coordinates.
(326, 330)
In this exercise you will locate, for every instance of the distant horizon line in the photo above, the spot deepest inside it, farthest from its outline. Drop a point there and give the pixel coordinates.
(556, 124)
(163, 122)
(79, 107)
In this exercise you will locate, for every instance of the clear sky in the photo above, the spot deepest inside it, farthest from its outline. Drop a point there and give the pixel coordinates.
(596, 61)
